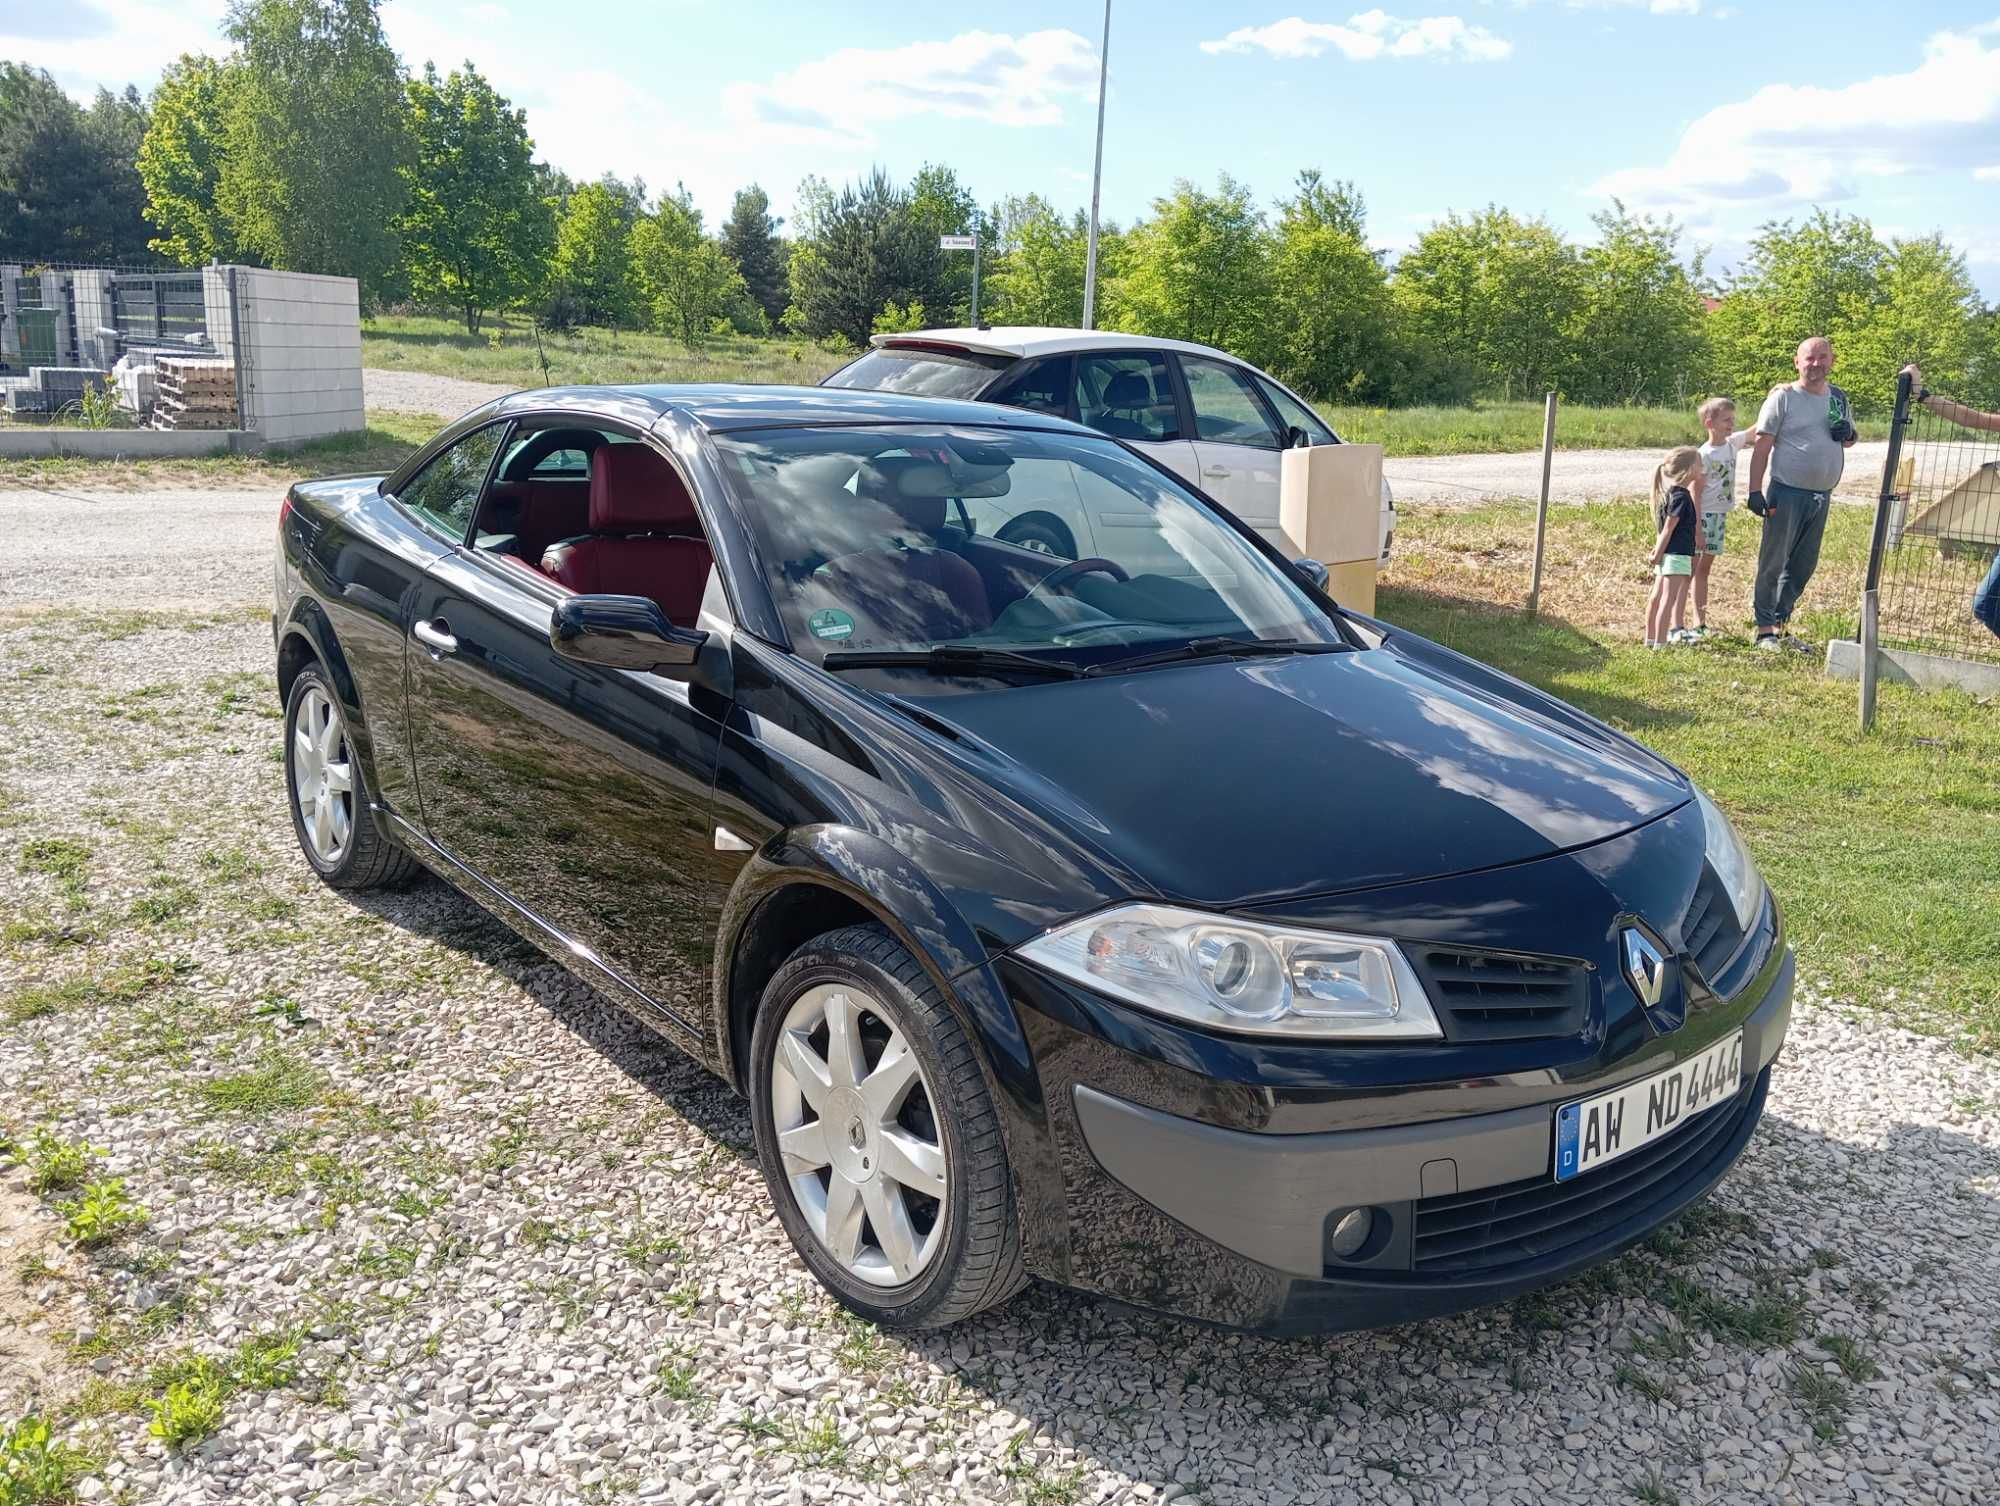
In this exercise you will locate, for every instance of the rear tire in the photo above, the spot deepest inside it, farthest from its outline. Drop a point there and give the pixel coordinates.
(328, 794)
(932, 1166)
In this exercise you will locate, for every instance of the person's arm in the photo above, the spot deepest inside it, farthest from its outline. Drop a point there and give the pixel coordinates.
(1760, 460)
(1944, 407)
(1666, 533)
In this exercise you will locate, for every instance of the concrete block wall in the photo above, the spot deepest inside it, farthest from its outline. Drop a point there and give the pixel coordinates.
(297, 339)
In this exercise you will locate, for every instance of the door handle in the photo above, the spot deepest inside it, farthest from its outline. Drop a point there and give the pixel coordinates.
(1215, 470)
(434, 638)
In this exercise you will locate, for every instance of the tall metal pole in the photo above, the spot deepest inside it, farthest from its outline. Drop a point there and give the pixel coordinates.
(975, 275)
(1096, 177)
(1871, 584)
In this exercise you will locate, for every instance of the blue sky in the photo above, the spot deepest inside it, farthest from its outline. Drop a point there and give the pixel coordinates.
(1724, 114)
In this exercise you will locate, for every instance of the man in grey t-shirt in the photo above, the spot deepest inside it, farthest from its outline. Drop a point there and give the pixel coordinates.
(1803, 434)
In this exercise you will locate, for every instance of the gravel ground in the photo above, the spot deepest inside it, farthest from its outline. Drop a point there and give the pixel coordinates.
(523, 1253)
(152, 549)
(421, 392)
(1574, 475)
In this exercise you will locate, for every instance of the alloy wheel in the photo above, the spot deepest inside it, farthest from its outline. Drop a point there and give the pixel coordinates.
(323, 777)
(857, 1130)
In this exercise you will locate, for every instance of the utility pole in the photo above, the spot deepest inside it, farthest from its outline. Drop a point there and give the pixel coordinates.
(1096, 177)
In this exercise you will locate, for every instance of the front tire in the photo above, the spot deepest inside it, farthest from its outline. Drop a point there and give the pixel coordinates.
(878, 1138)
(328, 795)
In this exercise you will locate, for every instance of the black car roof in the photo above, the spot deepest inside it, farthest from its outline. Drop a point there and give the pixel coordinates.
(718, 407)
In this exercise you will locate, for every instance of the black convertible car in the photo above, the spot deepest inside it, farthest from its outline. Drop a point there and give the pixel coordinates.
(1144, 922)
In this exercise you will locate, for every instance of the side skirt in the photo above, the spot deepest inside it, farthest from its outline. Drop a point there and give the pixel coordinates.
(574, 955)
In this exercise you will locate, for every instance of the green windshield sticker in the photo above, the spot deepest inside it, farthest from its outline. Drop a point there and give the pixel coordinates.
(831, 623)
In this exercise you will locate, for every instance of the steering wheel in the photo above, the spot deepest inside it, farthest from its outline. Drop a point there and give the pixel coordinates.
(1060, 578)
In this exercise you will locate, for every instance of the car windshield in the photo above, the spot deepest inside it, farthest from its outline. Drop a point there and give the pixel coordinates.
(933, 373)
(884, 540)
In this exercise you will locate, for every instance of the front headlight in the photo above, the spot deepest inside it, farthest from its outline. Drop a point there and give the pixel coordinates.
(1237, 975)
(1731, 862)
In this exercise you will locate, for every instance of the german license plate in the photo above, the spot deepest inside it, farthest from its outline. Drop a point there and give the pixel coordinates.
(1593, 1131)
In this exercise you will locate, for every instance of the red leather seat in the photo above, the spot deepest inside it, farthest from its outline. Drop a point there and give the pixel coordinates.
(540, 514)
(644, 539)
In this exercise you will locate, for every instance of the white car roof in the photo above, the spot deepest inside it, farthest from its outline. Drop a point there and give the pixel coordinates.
(1041, 340)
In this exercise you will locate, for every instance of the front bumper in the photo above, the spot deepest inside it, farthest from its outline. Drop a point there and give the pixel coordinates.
(1230, 1226)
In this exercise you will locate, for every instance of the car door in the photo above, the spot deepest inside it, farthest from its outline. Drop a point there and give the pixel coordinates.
(1129, 394)
(379, 556)
(1237, 441)
(580, 794)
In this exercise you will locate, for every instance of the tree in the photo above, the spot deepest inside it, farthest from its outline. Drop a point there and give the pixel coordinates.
(180, 160)
(855, 254)
(476, 234)
(1330, 312)
(1637, 337)
(685, 280)
(1488, 302)
(1037, 271)
(1925, 309)
(1817, 278)
(311, 178)
(590, 276)
(941, 205)
(68, 188)
(750, 240)
(1198, 270)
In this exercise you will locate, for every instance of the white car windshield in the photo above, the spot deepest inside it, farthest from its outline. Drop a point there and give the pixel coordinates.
(886, 539)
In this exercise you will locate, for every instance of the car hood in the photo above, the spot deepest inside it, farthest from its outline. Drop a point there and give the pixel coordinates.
(1232, 783)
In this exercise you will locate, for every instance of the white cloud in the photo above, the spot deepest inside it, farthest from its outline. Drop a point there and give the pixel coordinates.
(109, 43)
(1988, 174)
(1372, 34)
(1792, 144)
(977, 75)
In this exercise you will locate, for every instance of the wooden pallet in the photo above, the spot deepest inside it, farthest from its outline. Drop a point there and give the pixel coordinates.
(194, 393)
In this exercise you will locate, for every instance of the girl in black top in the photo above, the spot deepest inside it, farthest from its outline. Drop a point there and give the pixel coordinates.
(1677, 488)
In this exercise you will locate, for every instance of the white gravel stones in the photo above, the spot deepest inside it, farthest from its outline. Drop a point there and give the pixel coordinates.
(421, 392)
(528, 1257)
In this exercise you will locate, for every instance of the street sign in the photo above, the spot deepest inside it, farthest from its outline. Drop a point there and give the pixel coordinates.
(958, 242)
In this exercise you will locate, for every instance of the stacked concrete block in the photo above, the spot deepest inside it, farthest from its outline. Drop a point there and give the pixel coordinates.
(10, 308)
(298, 345)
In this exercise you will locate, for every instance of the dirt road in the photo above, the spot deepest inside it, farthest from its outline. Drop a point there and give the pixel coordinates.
(1575, 476)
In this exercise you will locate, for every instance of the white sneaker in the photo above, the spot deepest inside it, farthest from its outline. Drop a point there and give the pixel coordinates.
(1768, 642)
(1683, 635)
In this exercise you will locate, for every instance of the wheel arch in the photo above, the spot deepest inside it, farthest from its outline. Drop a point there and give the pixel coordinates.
(308, 638)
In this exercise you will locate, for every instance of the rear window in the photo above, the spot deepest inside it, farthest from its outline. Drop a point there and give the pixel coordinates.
(928, 373)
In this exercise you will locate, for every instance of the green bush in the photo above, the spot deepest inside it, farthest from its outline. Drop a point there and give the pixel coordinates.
(103, 1215)
(35, 1468)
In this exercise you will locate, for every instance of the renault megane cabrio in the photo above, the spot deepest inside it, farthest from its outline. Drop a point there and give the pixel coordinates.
(1143, 922)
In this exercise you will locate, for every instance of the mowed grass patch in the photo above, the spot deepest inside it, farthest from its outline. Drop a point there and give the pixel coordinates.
(380, 446)
(505, 351)
(1499, 427)
(1884, 850)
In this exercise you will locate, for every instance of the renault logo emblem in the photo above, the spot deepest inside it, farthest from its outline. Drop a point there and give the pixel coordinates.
(1645, 967)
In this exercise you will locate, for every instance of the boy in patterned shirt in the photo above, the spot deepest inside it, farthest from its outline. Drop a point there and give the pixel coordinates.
(1718, 457)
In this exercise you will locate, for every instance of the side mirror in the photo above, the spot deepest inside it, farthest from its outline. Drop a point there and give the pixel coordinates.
(622, 632)
(1314, 572)
(1297, 438)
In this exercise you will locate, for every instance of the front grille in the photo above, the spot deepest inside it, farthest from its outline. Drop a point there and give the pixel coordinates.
(1477, 1233)
(1483, 996)
(1709, 932)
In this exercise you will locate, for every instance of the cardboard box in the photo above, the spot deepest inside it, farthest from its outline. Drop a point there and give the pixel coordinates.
(1330, 502)
(1353, 585)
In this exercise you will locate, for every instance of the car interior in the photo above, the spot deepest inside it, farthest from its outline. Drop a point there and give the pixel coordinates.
(598, 512)
(880, 552)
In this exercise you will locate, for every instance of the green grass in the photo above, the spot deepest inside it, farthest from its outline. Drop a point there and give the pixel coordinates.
(1498, 427)
(1884, 851)
(504, 351)
(380, 446)
(37, 1468)
(283, 1081)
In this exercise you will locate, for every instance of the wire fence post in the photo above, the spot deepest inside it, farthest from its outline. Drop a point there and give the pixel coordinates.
(1871, 585)
(1542, 508)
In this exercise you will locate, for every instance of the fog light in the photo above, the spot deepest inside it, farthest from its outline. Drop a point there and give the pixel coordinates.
(1350, 1233)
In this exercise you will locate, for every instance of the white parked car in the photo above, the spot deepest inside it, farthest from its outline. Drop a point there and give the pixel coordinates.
(1200, 412)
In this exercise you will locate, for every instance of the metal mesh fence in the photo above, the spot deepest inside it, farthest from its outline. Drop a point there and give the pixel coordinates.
(1938, 532)
(81, 345)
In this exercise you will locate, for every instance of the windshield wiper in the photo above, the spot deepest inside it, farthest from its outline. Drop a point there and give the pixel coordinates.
(951, 658)
(1215, 648)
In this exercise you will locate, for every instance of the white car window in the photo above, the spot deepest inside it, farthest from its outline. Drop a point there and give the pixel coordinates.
(1226, 409)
